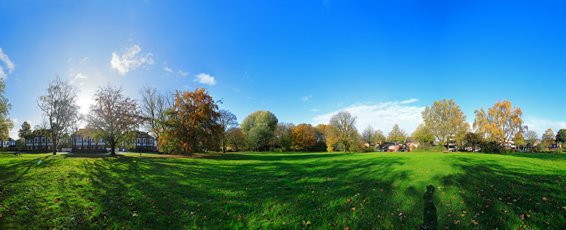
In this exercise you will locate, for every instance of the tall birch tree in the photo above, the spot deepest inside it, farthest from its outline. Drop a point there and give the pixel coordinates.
(501, 122)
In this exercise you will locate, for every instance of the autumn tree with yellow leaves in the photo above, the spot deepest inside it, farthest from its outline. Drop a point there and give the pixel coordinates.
(192, 123)
(501, 122)
(341, 130)
(444, 120)
(548, 137)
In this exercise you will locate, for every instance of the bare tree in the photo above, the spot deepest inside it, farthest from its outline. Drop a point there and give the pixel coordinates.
(226, 120)
(113, 117)
(60, 109)
(368, 134)
(153, 106)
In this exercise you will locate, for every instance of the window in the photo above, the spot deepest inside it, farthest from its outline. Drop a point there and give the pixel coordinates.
(43, 140)
(35, 139)
(138, 140)
(144, 140)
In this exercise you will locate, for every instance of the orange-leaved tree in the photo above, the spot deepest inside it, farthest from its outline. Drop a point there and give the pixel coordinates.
(303, 137)
(192, 123)
(500, 123)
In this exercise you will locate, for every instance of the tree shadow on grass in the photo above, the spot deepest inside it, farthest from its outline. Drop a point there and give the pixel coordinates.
(497, 196)
(161, 193)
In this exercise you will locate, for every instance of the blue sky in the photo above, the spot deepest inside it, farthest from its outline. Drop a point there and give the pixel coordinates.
(383, 61)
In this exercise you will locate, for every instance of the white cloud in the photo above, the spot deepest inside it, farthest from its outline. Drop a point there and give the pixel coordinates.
(408, 101)
(77, 76)
(381, 116)
(306, 98)
(249, 98)
(130, 60)
(83, 60)
(7, 62)
(14, 132)
(167, 69)
(205, 79)
(184, 74)
(69, 59)
(314, 110)
(540, 124)
(237, 90)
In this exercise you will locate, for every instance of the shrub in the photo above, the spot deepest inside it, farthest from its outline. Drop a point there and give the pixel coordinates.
(370, 149)
(438, 148)
(492, 147)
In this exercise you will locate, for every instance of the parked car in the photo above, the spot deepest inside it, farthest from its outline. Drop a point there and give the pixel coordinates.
(401, 150)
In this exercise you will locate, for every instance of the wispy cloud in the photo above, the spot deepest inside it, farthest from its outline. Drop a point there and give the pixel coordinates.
(83, 60)
(7, 62)
(167, 69)
(314, 110)
(249, 98)
(408, 101)
(74, 77)
(306, 98)
(237, 90)
(380, 116)
(184, 74)
(205, 79)
(540, 124)
(130, 60)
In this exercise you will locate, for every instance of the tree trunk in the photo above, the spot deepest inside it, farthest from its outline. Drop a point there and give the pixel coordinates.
(223, 147)
(112, 147)
(53, 146)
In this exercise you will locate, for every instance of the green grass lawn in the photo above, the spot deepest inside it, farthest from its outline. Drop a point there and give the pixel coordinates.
(289, 191)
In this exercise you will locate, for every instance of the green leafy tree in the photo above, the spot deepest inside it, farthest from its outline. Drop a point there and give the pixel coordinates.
(6, 124)
(561, 136)
(444, 119)
(423, 135)
(25, 131)
(519, 139)
(397, 135)
(378, 136)
(473, 140)
(283, 135)
(260, 128)
(236, 139)
(21, 143)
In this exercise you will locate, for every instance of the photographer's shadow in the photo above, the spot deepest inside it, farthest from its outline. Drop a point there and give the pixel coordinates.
(430, 218)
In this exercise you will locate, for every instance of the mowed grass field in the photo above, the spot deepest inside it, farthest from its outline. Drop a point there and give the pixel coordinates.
(284, 191)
